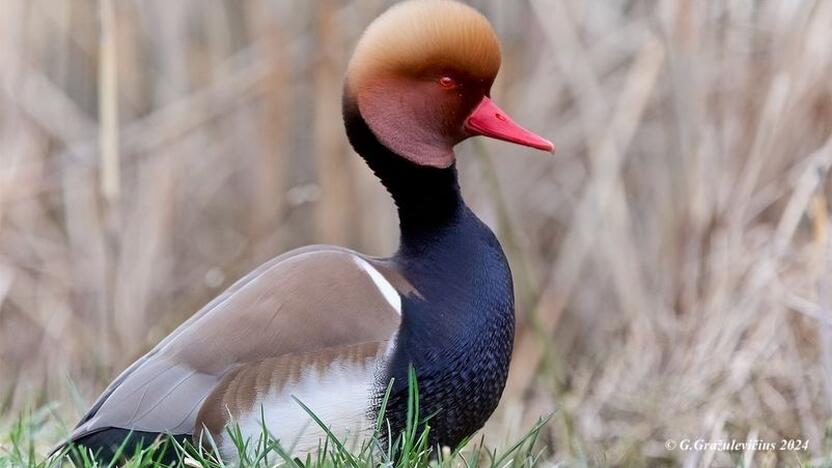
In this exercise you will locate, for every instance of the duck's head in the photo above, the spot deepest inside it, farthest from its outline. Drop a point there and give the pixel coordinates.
(421, 79)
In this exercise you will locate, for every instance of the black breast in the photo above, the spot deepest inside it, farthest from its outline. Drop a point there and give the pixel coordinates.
(458, 336)
(460, 395)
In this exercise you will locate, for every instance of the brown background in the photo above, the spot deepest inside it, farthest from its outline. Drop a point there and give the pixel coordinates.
(671, 261)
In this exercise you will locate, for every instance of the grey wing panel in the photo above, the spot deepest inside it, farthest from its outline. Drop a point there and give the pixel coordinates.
(162, 397)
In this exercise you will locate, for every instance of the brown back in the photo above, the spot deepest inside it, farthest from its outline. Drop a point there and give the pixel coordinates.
(309, 299)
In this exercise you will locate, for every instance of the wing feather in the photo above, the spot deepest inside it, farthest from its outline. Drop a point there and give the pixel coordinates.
(309, 299)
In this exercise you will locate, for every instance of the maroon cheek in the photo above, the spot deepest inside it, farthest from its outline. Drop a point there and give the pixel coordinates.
(415, 119)
(446, 110)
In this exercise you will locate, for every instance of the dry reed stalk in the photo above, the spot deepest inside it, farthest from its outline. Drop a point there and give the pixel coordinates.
(820, 218)
(108, 103)
(337, 204)
(270, 181)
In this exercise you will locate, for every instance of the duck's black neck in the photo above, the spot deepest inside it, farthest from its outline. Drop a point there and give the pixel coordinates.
(428, 198)
(458, 331)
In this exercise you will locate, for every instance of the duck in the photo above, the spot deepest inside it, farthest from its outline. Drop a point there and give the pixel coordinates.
(336, 329)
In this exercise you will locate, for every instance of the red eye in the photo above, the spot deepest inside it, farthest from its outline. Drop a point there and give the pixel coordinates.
(447, 82)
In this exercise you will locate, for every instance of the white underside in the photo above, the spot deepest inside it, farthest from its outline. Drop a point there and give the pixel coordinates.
(339, 396)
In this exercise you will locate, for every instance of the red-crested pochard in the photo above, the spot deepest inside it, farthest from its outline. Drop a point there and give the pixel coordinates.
(331, 326)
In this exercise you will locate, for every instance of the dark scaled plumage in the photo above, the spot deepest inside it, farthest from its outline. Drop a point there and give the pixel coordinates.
(109, 442)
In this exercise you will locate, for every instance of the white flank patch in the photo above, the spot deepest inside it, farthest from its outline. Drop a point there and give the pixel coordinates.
(339, 395)
(387, 289)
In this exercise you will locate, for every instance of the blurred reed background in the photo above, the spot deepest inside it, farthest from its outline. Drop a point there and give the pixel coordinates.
(672, 261)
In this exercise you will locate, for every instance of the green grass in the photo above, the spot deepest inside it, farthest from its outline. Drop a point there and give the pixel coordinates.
(21, 445)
